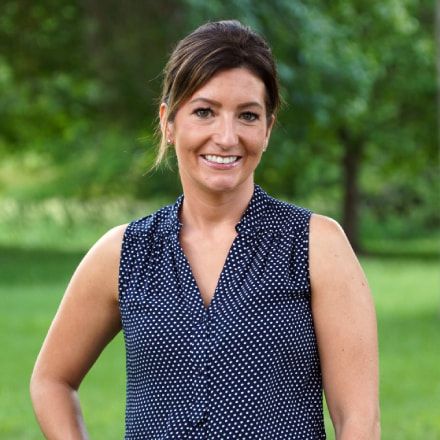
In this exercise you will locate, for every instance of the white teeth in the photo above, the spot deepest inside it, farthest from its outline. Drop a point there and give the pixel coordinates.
(220, 159)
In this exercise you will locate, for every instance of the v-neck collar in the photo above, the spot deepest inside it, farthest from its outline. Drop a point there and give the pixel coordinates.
(251, 221)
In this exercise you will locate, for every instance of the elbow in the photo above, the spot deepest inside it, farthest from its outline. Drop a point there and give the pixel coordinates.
(36, 388)
(43, 385)
(362, 426)
(375, 425)
(372, 427)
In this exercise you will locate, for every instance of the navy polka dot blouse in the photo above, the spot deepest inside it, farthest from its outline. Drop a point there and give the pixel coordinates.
(247, 366)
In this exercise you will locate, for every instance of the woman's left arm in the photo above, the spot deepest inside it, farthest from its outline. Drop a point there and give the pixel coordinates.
(346, 331)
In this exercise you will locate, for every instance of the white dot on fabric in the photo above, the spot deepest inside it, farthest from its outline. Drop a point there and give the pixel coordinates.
(245, 367)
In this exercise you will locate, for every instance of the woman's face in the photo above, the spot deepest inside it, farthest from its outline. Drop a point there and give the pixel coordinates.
(220, 132)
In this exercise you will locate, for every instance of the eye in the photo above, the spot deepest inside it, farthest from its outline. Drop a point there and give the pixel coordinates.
(250, 116)
(203, 112)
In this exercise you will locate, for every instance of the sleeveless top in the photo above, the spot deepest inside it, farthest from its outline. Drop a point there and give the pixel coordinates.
(247, 366)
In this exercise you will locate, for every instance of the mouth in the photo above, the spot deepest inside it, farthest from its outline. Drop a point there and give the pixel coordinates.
(223, 160)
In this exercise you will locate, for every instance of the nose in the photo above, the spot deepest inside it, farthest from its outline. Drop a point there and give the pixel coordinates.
(226, 135)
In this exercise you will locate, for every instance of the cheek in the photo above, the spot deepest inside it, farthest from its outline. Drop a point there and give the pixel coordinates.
(188, 138)
(257, 141)
(186, 147)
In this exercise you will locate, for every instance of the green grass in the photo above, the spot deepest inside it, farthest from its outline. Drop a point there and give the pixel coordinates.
(407, 298)
(31, 285)
(37, 261)
(407, 295)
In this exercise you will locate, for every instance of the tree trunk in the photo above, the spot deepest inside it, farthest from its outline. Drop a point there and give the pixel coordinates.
(351, 162)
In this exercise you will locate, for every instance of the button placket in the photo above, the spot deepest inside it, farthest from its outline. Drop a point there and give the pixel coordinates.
(200, 346)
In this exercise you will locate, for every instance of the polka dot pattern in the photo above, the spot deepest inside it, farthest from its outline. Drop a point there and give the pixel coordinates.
(246, 366)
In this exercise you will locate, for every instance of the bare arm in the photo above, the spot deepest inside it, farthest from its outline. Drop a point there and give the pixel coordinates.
(86, 321)
(345, 325)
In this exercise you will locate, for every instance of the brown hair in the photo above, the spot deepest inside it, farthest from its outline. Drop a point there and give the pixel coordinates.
(213, 47)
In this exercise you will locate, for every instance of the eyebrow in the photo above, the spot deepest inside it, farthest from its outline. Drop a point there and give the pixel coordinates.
(217, 104)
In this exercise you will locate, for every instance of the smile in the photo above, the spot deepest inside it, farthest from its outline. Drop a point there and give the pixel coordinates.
(220, 159)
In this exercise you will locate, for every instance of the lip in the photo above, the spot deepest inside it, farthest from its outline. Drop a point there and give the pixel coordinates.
(221, 166)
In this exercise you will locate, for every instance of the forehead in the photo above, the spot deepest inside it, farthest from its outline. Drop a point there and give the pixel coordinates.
(237, 85)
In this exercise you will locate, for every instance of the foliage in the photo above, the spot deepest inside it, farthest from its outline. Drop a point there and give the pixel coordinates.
(44, 88)
(359, 85)
(79, 80)
(67, 105)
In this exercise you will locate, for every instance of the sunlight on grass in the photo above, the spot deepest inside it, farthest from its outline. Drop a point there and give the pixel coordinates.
(66, 224)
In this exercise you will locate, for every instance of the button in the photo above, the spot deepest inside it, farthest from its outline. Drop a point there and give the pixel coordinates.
(203, 420)
(199, 413)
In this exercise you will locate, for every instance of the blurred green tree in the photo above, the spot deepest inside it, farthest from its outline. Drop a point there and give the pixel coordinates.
(79, 81)
(359, 83)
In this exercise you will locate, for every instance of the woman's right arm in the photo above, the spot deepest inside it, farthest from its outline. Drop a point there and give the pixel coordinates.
(87, 320)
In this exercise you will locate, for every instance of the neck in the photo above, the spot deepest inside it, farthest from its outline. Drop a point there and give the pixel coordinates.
(210, 212)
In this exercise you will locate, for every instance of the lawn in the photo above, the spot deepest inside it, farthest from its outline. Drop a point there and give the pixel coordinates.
(407, 295)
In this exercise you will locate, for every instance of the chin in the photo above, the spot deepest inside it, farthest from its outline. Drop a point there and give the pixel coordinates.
(222, 185)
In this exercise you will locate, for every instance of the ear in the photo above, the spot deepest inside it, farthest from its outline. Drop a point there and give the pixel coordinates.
(165, 126)
(270, 125)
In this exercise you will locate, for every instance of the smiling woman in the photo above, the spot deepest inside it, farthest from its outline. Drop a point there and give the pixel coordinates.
(219, 135)
(238, 310)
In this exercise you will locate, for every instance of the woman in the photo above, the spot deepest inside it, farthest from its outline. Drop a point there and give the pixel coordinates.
(236, 308)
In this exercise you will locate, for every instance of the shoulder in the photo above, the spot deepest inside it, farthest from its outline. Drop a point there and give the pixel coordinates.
(326, 231)
(331, 258)
(110, 243)
(103, 257)
(327, 237)
(97, 274)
